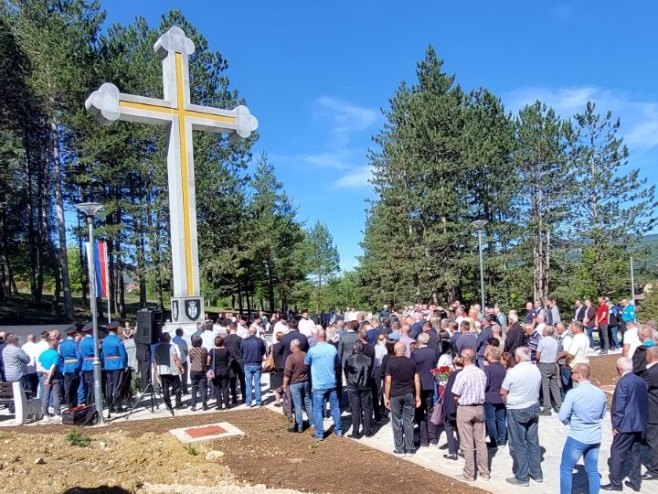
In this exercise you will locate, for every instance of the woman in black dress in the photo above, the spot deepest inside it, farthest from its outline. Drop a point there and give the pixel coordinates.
(276, 376)
(218, 361)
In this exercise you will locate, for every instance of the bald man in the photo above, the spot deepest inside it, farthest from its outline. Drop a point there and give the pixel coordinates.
(403, 395)
(583, 411)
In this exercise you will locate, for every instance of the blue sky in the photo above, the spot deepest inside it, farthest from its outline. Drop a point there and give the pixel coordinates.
(317, 73)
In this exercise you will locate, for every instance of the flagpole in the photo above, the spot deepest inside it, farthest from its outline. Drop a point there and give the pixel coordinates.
(107, 282)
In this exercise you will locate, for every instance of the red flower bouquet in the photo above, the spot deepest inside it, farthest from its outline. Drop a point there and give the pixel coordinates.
(442, 373)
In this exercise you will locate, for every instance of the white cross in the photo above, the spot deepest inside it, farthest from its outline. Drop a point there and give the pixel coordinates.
(182, 117)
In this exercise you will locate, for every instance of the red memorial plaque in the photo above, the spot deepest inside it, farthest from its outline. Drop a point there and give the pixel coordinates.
(209, 430)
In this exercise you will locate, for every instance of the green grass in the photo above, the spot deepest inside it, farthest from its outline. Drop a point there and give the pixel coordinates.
(74, 438)
(191, 450)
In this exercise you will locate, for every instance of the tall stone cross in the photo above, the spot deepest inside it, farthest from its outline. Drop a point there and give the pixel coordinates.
(182, 117)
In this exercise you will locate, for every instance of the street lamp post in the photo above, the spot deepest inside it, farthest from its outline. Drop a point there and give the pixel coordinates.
(90, 209)
(479, 225)
(632, 283)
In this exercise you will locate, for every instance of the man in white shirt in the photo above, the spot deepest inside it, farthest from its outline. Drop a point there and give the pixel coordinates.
(31, 376)
(243, 330)
(168, 368)
(541, 324)
(631, 340)
(306, 325)
(281, 326)
(520, 392)
(41, 345)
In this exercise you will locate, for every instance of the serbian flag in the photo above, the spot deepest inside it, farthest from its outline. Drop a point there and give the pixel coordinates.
(101, 267)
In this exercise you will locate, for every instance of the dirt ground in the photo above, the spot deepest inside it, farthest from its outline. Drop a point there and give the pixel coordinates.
(604, 371)
(142, 457)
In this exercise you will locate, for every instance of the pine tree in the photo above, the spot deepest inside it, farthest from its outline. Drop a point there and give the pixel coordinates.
(322, 259)
(548, 178)
(615, 205)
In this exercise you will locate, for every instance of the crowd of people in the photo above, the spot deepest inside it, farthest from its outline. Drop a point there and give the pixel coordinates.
(471, 374)
(482, 373)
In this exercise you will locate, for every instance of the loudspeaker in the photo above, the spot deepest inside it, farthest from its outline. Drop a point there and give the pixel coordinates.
(149, 326)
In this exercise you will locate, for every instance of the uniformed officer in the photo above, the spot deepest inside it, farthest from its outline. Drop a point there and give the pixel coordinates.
(86, 348)
(115, 360)
(68, 350)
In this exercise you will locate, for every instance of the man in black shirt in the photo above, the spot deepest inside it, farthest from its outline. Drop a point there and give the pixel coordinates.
(403, 396)
(233, 344)
(425, 360)
(293, 334)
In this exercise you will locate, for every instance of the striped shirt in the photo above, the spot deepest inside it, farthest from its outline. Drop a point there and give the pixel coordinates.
(15, 361)
(198, 359)
(470, 385)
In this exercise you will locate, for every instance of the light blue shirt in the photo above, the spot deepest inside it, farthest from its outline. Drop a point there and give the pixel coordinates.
(583, 409)
(628, 314)
(322, 359)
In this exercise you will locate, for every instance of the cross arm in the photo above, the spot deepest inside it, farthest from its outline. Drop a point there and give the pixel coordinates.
(108, 104)
(238, 121)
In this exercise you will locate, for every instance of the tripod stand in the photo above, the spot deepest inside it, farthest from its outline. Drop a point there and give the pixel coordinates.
(150, 390)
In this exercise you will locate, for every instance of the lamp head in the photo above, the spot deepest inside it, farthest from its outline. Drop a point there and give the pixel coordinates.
(479, 224)
(89, 208)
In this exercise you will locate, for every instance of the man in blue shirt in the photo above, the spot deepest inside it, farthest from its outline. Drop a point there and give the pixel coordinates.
(627, 313)
(322, 359)
(51, 373)
(68, 349)
(115, 360)
(86, 349)
(253, 351)
(583, 410)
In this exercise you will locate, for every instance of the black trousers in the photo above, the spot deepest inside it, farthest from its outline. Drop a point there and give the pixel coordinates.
(361, 406)
(199, 387)
(112, 387)
(144, 368)
(450, 426)
(423, 414)
(626, 446)
(184, 378)
(375, 385)
(88, 377)
(652, 442)
(237, 374)
(170, 385)
(71, 383)
(31, 384)
(221, 384)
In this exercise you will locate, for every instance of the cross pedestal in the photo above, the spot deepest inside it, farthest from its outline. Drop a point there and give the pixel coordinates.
(182, 117)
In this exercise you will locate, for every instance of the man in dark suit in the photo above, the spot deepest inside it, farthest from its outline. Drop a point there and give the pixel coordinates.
(293, 334)
(425, 359)
(515, 335)
(629, 414)
(417, 326)
(651, 378)
(233, 344)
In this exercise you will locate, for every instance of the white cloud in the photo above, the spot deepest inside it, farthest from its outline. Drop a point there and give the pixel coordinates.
(345, 117)
(357, 179)
(639, 116)
(340, 123)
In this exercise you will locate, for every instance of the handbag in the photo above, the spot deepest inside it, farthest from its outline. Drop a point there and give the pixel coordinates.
(269, 365)
(436, 418)
(81, 415)
(210, 374)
